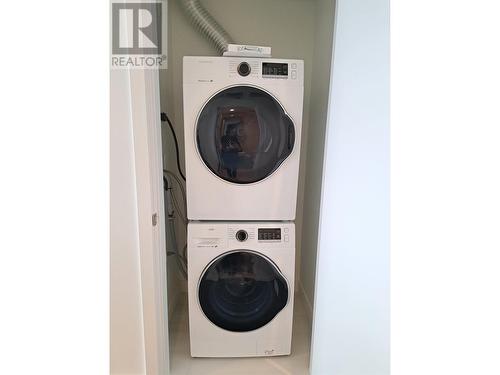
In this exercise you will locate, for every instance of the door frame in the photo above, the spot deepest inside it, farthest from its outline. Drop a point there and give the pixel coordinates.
(146, 125)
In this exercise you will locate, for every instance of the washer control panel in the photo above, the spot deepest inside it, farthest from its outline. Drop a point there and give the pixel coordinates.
(269, 234)
(241, 235)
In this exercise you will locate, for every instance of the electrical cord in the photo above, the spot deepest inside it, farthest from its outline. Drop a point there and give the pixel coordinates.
(164, 118)
(181, 212)
(181, 186)
(181, 257)
(176, 205)
(167, 188)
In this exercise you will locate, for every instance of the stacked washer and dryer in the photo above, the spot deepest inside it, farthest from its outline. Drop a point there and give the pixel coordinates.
(242, 126)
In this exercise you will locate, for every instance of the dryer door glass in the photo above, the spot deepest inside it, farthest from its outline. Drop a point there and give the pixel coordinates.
(243, 134)
(242, 291)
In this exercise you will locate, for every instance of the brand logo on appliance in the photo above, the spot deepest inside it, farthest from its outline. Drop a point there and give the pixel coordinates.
(269, 352)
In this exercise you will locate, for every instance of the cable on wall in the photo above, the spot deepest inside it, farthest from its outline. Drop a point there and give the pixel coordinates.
(164, 118)
(177, 208)
(181, 212)
(181, 257)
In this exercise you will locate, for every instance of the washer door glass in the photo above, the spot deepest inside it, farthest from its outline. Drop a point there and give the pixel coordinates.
(243, 134)
(242, 291)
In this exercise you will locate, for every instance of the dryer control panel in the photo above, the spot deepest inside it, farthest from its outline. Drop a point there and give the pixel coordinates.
(269, 234)
(215, 70)
(274, 69)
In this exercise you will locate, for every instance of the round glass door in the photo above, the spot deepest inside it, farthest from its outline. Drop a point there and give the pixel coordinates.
(242, 291)
(243, 134)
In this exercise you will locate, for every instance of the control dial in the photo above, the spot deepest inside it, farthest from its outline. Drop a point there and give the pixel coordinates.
(244, 69)
(241, 235)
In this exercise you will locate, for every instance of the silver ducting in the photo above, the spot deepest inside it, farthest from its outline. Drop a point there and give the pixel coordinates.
(206, 24)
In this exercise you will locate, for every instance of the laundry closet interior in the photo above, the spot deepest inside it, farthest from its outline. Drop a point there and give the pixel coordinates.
(295, 30)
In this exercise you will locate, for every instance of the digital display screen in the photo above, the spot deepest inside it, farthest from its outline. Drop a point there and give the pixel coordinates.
(274, 69)
(269, 234)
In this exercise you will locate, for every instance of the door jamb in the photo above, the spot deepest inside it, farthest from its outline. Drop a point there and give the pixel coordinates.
(145, 113)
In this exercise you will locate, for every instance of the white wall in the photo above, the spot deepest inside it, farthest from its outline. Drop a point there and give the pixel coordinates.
(126, 325)
(351, 321)
(320, 87)
(285, 25)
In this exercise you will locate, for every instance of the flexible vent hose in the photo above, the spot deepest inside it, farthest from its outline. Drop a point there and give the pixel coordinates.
(206, 24)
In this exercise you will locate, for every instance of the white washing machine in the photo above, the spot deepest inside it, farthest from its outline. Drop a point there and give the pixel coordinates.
(240, 288)
(242, 127)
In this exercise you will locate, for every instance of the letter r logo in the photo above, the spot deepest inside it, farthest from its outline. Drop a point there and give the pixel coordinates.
(136, 28)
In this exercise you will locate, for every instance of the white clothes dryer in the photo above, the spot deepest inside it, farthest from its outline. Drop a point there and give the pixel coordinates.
(242, 131)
